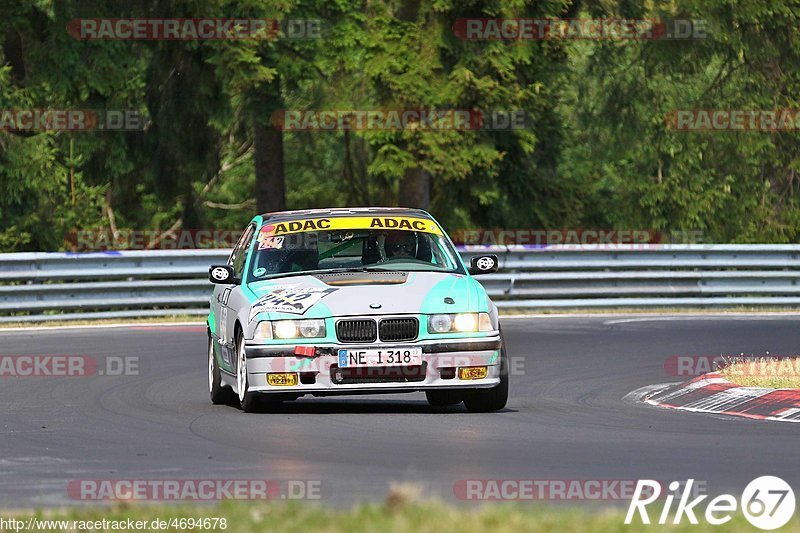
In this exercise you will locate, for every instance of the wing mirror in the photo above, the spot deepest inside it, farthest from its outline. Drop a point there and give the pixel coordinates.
(222, 275)
(484, 264)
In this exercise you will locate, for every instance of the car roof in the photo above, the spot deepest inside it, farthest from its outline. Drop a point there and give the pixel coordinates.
(345, 212)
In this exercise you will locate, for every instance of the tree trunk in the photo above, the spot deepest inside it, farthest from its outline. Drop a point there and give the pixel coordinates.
(268, 148)
(415, 188)
(270, 181)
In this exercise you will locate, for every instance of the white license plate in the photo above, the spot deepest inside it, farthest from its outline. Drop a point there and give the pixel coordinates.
(380, 357)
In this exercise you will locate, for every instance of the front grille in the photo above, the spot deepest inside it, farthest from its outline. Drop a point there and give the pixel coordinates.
(378, 374)
(399, 329)
(357, 331)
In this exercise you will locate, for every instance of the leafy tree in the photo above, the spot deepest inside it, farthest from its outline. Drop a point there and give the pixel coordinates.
(597, 150)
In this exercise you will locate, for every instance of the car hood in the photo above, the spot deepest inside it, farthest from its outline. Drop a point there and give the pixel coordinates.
(368, 293)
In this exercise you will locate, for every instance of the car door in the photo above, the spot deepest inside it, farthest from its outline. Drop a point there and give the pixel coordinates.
(228, 304)
(220, 301)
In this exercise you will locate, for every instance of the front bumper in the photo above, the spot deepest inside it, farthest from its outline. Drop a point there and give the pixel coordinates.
(318, 374)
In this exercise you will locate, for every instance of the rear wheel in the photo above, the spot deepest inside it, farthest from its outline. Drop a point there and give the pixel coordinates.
(248, 401)
(494, 399)
(219, 393)
(439, 398)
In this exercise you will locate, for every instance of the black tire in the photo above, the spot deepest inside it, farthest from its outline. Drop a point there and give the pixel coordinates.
(494, 399)
(439, 398)
(248, 401)
(219, 393)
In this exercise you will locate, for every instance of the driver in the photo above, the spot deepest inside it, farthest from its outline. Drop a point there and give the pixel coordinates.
(401, 245)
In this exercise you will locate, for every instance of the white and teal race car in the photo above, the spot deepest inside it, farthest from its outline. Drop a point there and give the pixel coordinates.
(353, 301)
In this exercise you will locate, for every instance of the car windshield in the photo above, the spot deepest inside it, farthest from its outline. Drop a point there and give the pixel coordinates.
(357, 249)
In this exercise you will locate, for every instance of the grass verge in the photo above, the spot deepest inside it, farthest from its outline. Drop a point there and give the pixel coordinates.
(777, 373)
(395, 516)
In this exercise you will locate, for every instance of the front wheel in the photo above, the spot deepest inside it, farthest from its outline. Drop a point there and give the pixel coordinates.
(248, 401)
(494, 399)
(219, 393)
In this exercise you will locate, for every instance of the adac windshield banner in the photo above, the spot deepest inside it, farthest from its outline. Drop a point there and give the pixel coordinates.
(350, 223)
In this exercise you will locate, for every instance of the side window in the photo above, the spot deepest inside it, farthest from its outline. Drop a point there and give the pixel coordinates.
(239, 254)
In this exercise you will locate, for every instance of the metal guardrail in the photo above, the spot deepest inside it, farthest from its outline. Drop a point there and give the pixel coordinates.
(63, 286)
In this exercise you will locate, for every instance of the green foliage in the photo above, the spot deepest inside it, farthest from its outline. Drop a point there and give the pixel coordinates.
(732, 186)
(597, 149)
(406, 509)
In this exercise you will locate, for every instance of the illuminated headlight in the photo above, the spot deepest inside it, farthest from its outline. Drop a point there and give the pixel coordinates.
(292, 329)
(460, 323)
(466, 322)
(263, 331)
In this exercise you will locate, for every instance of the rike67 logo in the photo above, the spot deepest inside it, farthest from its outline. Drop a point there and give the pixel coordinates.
(767, 502)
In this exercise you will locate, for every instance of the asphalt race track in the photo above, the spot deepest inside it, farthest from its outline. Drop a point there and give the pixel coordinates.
(566, 419)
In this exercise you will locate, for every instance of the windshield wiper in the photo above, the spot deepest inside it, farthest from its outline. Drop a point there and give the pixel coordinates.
(314, 272)
(370, 268)
(374, 268)
(290, 274)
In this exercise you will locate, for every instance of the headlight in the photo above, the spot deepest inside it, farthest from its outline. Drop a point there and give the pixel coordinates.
(285, 329)
(440, 323)
(292, 329)
(311, 328)
(466, 322)
(460, 323)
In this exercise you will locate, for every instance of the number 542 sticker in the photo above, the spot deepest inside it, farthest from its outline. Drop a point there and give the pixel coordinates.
(286, 299)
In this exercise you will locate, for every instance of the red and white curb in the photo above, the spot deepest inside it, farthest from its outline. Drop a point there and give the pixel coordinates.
(711, 393)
